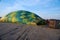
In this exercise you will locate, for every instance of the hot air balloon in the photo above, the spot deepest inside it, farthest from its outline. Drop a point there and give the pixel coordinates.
(23, 17)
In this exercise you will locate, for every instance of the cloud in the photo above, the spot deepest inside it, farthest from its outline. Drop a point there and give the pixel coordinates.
(17, 5)
(43, 8)
(9, 9)
(48, 15)
(45, 3)
(29, 2)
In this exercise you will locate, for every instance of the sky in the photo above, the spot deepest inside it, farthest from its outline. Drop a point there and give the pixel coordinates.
(47, 9)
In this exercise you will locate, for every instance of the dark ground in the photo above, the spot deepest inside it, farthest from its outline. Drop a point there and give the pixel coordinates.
(9, 31)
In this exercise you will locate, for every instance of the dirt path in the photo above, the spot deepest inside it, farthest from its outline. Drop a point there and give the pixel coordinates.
(25, 32)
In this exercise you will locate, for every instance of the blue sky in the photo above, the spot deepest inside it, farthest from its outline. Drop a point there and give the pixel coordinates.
(44, 8)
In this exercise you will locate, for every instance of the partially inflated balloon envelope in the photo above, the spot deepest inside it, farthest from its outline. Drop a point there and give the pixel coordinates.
(22, 17)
